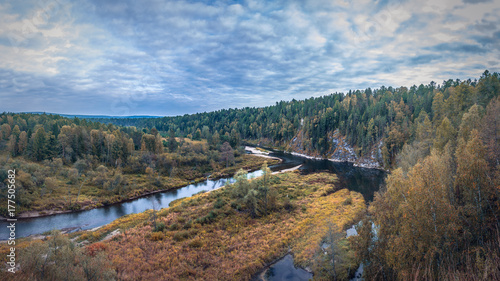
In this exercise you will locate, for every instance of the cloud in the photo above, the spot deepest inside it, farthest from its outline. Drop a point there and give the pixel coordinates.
(476, 1)
(173, 57)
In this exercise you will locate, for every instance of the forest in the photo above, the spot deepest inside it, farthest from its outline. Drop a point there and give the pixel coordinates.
(72, 164)
(437, 218)
(365, 118)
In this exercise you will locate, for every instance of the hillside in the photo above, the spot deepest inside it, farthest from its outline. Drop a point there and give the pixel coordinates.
(370, 127)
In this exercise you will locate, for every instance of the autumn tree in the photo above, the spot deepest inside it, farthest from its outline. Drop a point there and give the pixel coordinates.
(490, 133)
(331, 261)
(444, 133)
(227, 154)
(60, 259)
(5, 130)
(22, 144)
(416, 220)
(65, 139)
(470, 120)
(473, 185)
(148, 143)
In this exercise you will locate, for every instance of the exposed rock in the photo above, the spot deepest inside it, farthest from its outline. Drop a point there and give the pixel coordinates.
(340, 151)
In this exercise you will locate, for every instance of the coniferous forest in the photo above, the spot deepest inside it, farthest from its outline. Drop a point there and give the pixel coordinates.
(436, 217)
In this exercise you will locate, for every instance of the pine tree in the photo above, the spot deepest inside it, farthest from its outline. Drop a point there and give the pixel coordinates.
(172, 142)
(39, 145)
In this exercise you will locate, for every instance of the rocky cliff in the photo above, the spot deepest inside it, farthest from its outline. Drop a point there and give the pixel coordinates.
(340, 151)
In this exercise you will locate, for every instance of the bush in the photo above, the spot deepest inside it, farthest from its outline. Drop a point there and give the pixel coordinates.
(195, 243)
(74, 207)
(219, 203)
(236, 206)
(347, 201)
(95, 248)
(156, 236)
(174, 226)
(208, 218)
(181, 235)
(188, 224)
(287, 204)
(159, 227)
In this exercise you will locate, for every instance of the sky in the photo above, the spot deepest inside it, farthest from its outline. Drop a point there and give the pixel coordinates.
(164, 58)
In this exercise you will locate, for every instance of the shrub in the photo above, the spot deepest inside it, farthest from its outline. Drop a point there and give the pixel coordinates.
(159, 227)
(174, 226)
(188, 224)
(156, 236)
(236, 206)
(74, 207)
(95, 248)
(181, 235)
(195, 243)
(347, 201)
(287, 204)
(208, 218)
(219, 203)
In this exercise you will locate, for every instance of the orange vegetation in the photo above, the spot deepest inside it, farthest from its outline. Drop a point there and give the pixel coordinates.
(230, 244)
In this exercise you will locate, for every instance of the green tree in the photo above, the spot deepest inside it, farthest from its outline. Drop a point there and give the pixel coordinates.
(197, 135)
(242, 185)
(39, 145)
(234, 139)
(172, 142)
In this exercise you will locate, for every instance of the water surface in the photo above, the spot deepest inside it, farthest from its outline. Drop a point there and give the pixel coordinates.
(97, 217)
(285, 270)
(362, 180)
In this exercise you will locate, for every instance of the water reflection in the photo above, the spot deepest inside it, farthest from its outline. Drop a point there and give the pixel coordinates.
(285, 270)
(362, 180)
(365, 181)
(101, 216)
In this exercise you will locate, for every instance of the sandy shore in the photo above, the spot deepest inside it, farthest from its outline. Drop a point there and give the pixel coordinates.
(287, 170)
(259, 153)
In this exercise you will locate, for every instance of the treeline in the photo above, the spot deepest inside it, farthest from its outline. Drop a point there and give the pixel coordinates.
(366, 118)
(41, 137)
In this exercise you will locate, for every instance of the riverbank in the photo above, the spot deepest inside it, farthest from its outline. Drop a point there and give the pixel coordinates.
(260, 153)
(288, 170)
(219, 242)
(248, 162)
(291, 184)
(361, 162)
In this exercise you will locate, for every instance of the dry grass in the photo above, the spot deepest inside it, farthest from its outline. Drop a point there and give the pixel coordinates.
(232, 246)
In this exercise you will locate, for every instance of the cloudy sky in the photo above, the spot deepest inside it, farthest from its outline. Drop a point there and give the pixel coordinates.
(160, 57)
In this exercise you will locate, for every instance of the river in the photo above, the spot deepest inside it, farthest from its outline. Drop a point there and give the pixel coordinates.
(363, 180)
